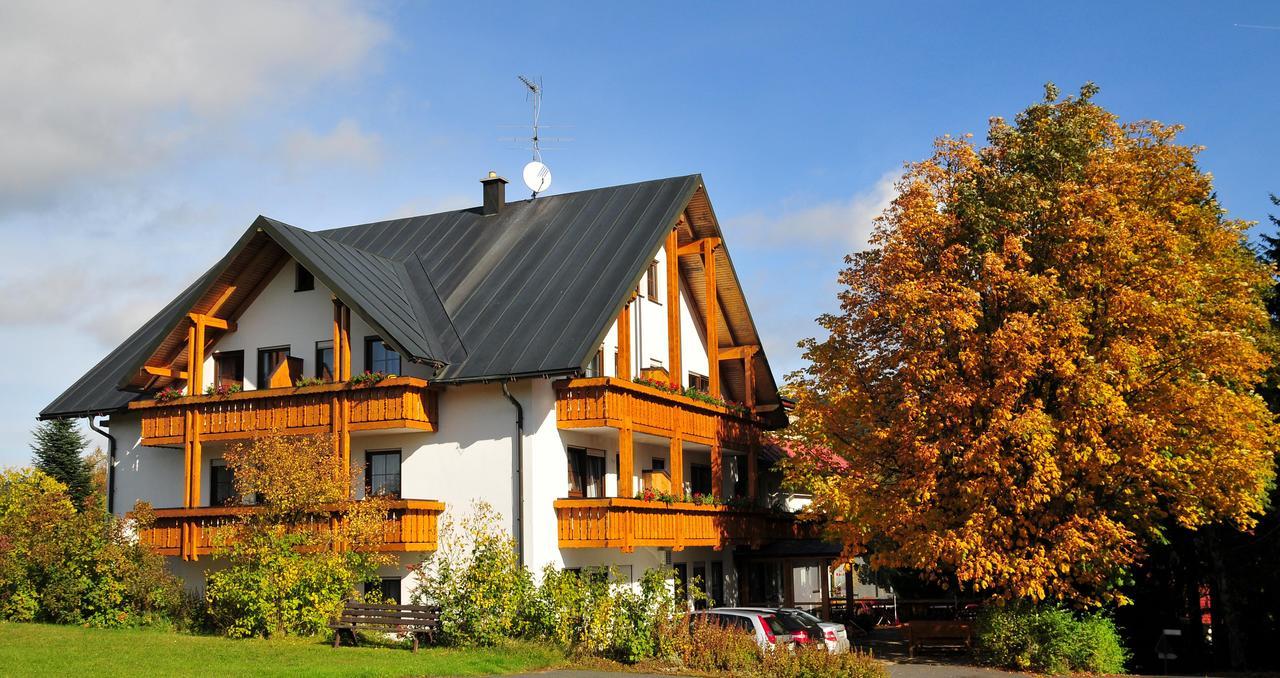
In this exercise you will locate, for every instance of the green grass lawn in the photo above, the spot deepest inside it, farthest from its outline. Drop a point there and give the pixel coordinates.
(38, 649)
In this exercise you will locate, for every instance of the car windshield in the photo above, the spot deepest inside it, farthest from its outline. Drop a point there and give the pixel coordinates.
(807, 617)
(792, 622)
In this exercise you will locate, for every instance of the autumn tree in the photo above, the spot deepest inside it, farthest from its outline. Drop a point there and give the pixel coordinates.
(1046, 357)
(304, 549)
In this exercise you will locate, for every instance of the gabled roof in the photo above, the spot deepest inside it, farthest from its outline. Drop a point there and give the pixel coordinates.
(530, 291)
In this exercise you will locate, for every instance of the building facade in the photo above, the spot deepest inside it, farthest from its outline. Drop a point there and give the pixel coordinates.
(533, 355)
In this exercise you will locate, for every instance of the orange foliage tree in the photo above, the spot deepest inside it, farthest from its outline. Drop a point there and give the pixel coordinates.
(1047, 356)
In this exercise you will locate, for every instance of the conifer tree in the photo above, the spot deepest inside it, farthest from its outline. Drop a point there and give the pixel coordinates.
(59, 452)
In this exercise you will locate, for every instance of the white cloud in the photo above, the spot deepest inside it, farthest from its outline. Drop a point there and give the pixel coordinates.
(345, 144)
(98, 87)
(845, 223)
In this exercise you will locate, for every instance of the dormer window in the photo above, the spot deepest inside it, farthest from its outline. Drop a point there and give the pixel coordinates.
(303, 281)
(380, 357)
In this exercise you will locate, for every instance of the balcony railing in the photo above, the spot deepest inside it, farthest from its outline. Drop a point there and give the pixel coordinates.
(411, 525)
(394, 403)
(629, 523)
(611, 402)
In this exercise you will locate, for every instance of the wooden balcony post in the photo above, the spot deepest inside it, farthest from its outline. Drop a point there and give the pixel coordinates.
(749, 381)
(195, 355)
(673, 308)
(623, 366)
(717, 471)
(335, 373)
(677, 466)
(345, 336)
(713, 331)
(626, 463)
(753, 469)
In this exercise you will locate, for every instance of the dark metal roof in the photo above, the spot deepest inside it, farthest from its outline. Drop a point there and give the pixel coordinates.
(529, 291)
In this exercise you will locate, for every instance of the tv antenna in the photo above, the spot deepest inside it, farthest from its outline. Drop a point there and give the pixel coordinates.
(537, 176)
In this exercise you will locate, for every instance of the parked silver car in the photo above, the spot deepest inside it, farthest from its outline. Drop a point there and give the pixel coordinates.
(833, 636)
(765, 626)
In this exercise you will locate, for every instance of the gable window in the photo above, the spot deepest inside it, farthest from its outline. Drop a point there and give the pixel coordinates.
(222, 484)
(269, 360)
(595, 368)
(382, 473)
(652, 280)
(700, 479)
(324, 360)
(586, 473)
(380, 357)
(387, 589)
(699, 382)
(228, 369)
(303, 281)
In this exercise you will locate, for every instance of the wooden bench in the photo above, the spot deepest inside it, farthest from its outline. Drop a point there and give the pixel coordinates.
(416, 620)
(938, 634)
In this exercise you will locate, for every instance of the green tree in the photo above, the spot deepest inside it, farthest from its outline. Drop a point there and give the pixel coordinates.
(59, 453)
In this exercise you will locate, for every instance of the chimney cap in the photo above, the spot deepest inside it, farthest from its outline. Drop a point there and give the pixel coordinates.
(493, 176)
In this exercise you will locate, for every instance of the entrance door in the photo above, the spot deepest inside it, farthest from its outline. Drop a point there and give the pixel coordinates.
(700, 577)
(806, 584)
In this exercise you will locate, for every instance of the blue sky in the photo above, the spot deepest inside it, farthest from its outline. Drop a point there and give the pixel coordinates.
(140, 139)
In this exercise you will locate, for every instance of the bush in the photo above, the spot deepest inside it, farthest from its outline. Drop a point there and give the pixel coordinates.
(293, 561)
(64, 567)
(703, 645)
(1050, 639)
(272, 587)
(812, 662)
(476, 578)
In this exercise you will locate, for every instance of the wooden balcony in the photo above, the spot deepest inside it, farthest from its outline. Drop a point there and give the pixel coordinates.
(629, 523)
(617, 403)
(410, 526)
(396, 403)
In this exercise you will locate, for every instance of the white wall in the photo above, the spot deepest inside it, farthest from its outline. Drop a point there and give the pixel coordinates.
(151, 474)
(280, 316)
(649, 331)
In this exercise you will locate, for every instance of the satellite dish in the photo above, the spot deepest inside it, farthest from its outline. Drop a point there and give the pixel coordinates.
(537, 177)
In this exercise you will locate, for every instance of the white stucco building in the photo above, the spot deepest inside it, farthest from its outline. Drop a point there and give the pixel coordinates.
(526, 338)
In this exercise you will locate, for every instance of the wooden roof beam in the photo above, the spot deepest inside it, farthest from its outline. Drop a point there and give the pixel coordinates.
(739, 352)
(166, 372)
(695, 247)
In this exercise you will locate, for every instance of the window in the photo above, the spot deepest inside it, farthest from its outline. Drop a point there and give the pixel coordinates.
(379, 357)
(700, 479)
(715, 587)
(228, 369)
(586, 473)
(324, 360)
(739, 475)
(657, 464)
(595, 368)
(222, 485)
(386, 588)
(652, 280)
(699, 382)
(269, 360)
(303, 281)
(382, 473)
(682, 581)
(700, 578)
